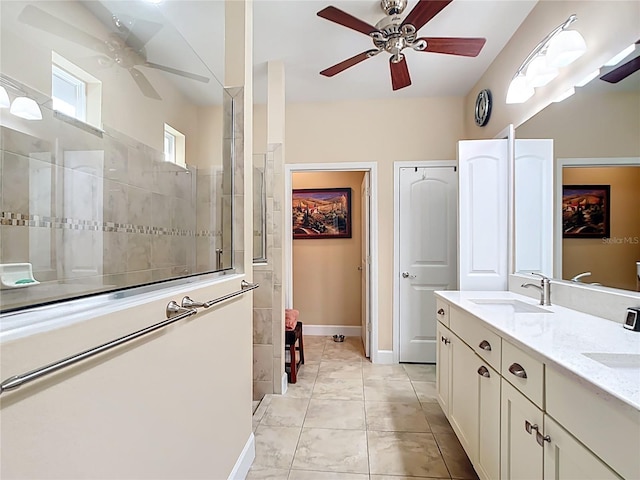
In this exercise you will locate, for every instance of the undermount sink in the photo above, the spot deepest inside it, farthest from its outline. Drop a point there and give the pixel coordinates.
(509, 305)
(616, 360)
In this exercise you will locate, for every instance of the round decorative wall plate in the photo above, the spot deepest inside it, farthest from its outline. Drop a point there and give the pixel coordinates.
(483, 107)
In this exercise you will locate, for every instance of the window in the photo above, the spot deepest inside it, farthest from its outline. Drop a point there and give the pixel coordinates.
(75, 92)
(174, 146)
(69, 94)
(169, 146)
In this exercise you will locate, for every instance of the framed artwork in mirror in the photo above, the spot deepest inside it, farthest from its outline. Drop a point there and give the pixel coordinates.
(321, 213)
(586, 211)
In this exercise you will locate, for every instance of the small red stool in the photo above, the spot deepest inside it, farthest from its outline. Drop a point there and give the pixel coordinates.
(291, 337)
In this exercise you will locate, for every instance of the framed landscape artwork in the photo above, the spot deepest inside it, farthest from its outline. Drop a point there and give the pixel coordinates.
(321, 213)
(585, 211)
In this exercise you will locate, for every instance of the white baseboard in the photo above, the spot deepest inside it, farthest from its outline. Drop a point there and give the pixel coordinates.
(245, 460)
(285, 383)
(384, 357)
(328, 330)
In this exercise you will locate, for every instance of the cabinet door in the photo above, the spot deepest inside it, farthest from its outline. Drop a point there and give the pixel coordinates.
(565, 458)
(520, 455)
(443, 361)
(464, 403)
(487, 462)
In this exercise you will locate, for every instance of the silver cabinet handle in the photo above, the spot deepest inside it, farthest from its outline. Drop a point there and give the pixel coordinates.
(530, 427)
(407, 275)
(484, 372)
(485, 345)
(542, 438)
(441, 311)
(518, 370)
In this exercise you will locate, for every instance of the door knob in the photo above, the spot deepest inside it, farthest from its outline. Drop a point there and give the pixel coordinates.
(407, 275)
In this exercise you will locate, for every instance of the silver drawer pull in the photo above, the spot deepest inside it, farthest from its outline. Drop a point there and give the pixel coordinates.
(529, 427)
(485, 345)
(483, 372)
(518, 370)
(441, 311)
(542, 438)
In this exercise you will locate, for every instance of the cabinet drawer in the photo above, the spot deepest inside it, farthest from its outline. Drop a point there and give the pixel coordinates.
(523, 372)
(442, 312)
(487, 344)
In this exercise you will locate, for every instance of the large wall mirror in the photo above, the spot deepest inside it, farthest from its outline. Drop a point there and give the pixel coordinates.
(596, 141)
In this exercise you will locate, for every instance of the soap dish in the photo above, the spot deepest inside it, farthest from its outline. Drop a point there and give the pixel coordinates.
(16, 275)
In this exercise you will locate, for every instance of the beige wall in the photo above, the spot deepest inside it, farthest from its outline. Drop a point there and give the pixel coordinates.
(611, 263)
(381, 131)
(326, 279)
(174, 404)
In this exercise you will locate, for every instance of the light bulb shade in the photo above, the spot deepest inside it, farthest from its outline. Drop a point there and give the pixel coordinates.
(539, 73)
(4, 98)
(27, 108)
(564, 48)
(519, 90)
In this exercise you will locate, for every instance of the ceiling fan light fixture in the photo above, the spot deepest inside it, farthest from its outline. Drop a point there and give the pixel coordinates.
(27, 108)
(565, 47)
(564, 95)
(519, 90)
(4, 98)
(539, 73)
(588, 78)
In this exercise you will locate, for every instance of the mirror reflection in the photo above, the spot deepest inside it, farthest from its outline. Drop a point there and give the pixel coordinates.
(596, 143)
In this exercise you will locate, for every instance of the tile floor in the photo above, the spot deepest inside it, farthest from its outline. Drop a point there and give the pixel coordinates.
(347, 419)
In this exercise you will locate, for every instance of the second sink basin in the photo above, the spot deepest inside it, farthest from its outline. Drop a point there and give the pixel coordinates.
(616, 360)
(509, 305)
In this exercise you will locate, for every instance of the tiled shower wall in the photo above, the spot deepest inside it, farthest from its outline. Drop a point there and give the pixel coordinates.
(268, 309)
(95, 213)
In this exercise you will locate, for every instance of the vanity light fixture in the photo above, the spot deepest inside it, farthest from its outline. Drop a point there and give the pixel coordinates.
(22, 106)
(4, 98)
(558, 49)
(27, 108)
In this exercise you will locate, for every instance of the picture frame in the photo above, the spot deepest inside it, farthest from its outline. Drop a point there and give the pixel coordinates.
(586, 211)
(321, 213)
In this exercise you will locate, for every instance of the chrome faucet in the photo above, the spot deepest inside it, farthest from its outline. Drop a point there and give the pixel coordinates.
(579, 276)
(544, 287)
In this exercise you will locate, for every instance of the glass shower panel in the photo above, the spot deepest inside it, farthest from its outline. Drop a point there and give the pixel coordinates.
(87, 209)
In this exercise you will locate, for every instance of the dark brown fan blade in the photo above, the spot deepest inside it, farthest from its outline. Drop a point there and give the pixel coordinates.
(175, 71)
(349, 62)
(622, 72)
(144, 85)
(467, 47)
(399, 73)
(42, 20)
(336, 15)
(424, 11)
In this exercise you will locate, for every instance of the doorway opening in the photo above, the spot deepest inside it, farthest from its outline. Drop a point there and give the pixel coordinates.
(356, 265)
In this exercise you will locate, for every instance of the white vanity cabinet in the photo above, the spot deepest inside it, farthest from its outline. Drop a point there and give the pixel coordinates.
(519, 418)
(469, 393)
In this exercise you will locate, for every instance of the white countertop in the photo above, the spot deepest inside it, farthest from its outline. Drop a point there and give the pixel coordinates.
(562, 337)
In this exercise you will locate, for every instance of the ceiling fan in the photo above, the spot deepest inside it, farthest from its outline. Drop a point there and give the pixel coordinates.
(393, 34)
(123, 47)
(623, 71)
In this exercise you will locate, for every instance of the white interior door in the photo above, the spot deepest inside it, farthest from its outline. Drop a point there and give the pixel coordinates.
(427, 255)
(365, 263)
